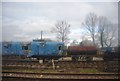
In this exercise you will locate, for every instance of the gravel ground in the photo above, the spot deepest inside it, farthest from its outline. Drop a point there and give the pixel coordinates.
(64, 76)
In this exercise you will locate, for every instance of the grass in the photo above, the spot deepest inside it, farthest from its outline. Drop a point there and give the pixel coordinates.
(89, 71)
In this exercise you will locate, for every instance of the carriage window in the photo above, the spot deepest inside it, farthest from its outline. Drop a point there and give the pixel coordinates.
(7, 45)
(113, 49)
(60, 47)
(25, 47)
(42, 44)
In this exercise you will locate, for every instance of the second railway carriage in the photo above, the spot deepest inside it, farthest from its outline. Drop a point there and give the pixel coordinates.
(110, 53)
(46, 50)
(12, 48)
(86, 52)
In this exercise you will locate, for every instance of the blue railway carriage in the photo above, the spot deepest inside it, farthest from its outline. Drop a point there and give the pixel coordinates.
(46, 50)
(12, 48)
(110, 53)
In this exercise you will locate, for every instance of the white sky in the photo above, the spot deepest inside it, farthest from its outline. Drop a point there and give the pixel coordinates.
(59, 0)
(23, 21)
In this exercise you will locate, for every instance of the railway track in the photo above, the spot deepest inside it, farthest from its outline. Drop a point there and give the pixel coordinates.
(36, 79)
(102, 65)
(13, 64)
(59, 76)
(36, 62)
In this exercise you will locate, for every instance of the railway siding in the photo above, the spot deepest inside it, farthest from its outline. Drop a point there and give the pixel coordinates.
(100, 65)
(60, 75)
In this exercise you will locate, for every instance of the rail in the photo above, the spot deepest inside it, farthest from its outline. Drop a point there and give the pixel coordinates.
(61, 75)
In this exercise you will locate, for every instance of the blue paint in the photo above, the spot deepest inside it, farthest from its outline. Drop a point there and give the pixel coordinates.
(109, 49)
(46, 49)
(14, 48)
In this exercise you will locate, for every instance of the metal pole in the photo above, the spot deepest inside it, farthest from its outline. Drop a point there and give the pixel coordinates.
(41, 35)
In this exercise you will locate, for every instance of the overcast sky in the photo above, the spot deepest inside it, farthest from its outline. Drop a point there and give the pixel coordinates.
(23, 21)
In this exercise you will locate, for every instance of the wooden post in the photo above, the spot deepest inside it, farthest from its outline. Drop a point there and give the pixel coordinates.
(53, 63)
(40, 61)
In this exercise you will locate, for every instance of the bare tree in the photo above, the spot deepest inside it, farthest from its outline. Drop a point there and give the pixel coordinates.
(102, 23)
(86, 42)
(74, 43)
(110, 35)
(62, 29)
(90, 25)
(101, 30)
(106, 32)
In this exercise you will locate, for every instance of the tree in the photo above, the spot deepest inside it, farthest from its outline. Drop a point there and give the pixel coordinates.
(101, 30)
(90, 24)
(62, 29)
(102, 23)
(74, 43)
(86, 42)
(106, 32)
(110, 35)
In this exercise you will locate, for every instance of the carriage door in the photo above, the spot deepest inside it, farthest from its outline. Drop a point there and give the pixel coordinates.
(60, 48)
(25, 49)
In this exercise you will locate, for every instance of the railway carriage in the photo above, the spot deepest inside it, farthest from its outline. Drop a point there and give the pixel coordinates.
(111, 53)
(46, 50)
(12, 48)
(55, 50)
(86, 52)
